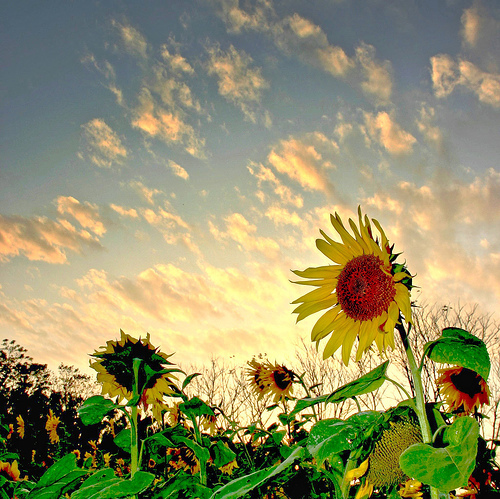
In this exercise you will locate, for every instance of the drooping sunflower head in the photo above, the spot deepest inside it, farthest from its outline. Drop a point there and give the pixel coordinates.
(271, 379)
(381, 470)
(115, 371)
(463, 389)
(364, 292)
(10, 471)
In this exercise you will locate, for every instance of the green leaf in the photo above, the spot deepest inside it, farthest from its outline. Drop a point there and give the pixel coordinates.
(201, 453)
(222, 454)
(189, 379)
(245, 484)
(123, 439)
(307, 402)
(185, 486)
(366, 384)
(61, 475)
(196, 407)
(459, 347)
(105, 485)
(449, 467)
(330, 437)
(94, 409)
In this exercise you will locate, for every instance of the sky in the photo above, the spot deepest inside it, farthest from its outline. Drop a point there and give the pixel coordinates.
(164, 165)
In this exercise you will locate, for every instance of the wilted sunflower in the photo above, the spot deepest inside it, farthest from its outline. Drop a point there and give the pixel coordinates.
(382, 465)
(463, 389)
(115, 371)
(364, 292)
(271, 379)
(20, 426)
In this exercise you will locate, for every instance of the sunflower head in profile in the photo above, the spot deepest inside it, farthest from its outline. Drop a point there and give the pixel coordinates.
(115, 371)
(463, 389)
(381, 469)
(10, 471)
(364, 292)
(271, 379)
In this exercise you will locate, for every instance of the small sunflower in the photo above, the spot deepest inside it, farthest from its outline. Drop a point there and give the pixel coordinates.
(20, 426)
(364, 293)
(382, 468)
(51, 427)
(271, 379)
(463, 389)
(10, 471)
(411, 488)
(114, 366)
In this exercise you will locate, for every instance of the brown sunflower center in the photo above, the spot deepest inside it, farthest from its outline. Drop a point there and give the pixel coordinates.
(467, 381)
(282, 378)
(364, 290)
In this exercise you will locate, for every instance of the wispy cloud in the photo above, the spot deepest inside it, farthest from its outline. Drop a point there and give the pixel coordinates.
(87, 214)
(447, 74)
(301, 160)
(383, 129)
(177, 169)
(132, 40)
(238, 80)
(40, 238)
(103, 147)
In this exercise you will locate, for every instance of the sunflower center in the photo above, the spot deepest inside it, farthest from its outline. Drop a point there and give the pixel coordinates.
(364, 290)
(282, 379)
(467, 381)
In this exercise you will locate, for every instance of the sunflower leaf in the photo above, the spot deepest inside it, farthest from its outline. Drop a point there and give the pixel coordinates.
(196, 407)
(243, 485)
(449, 467)
(222, 454)
(189, 379)
(366, 384)
(459, 347)
(123, 440)
(94, 409)
(307, 402)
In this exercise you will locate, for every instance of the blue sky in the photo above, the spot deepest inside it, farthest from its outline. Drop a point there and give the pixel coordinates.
(165, 164)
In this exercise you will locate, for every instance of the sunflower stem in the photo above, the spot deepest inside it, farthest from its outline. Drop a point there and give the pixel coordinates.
(134, 433)
(419, 392)
(199, 441)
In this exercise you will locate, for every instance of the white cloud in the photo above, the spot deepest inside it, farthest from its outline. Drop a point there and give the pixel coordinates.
(448, 74)
(177, 170)
(388, 133)
(39, 238)
(238, 81)
(86, 214)
(133, 41)
(104, 147)
(302, 161)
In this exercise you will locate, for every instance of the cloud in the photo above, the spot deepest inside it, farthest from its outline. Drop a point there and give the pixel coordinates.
(447, 75)
(104, 147)
(168, 126)
(105, 69)
(302, 161)
(388, 133)
(133, 41)
(427, 128)
(377, 78)
(86, 214)
(39, 238)
(299, 36)
(177, 170)
(176, 62)
(266, 176)
(124, 212)
(238, 82)
(236, 19)
(145, 192)
(240, 230)
(471, 23)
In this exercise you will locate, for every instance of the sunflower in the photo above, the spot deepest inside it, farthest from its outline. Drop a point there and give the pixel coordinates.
(364, 293)
(114, 366)
(411, 488)
(463, 389)
(271, 379)
(20, 426)
(10, 471)
(382, 468)
(51, 427)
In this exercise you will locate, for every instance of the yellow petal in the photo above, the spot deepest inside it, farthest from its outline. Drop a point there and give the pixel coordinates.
(331, 252)
(315, 295)
(357, 472)
(348, 342)
(325, 271)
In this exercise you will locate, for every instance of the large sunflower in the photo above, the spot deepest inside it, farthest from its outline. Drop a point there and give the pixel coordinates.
(271, 379)
(364, 292)
(114, 366)
(463, 389)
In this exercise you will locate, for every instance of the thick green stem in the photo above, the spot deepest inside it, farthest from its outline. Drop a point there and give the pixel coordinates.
(199, 441)
(419, 393)
(134, 430)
